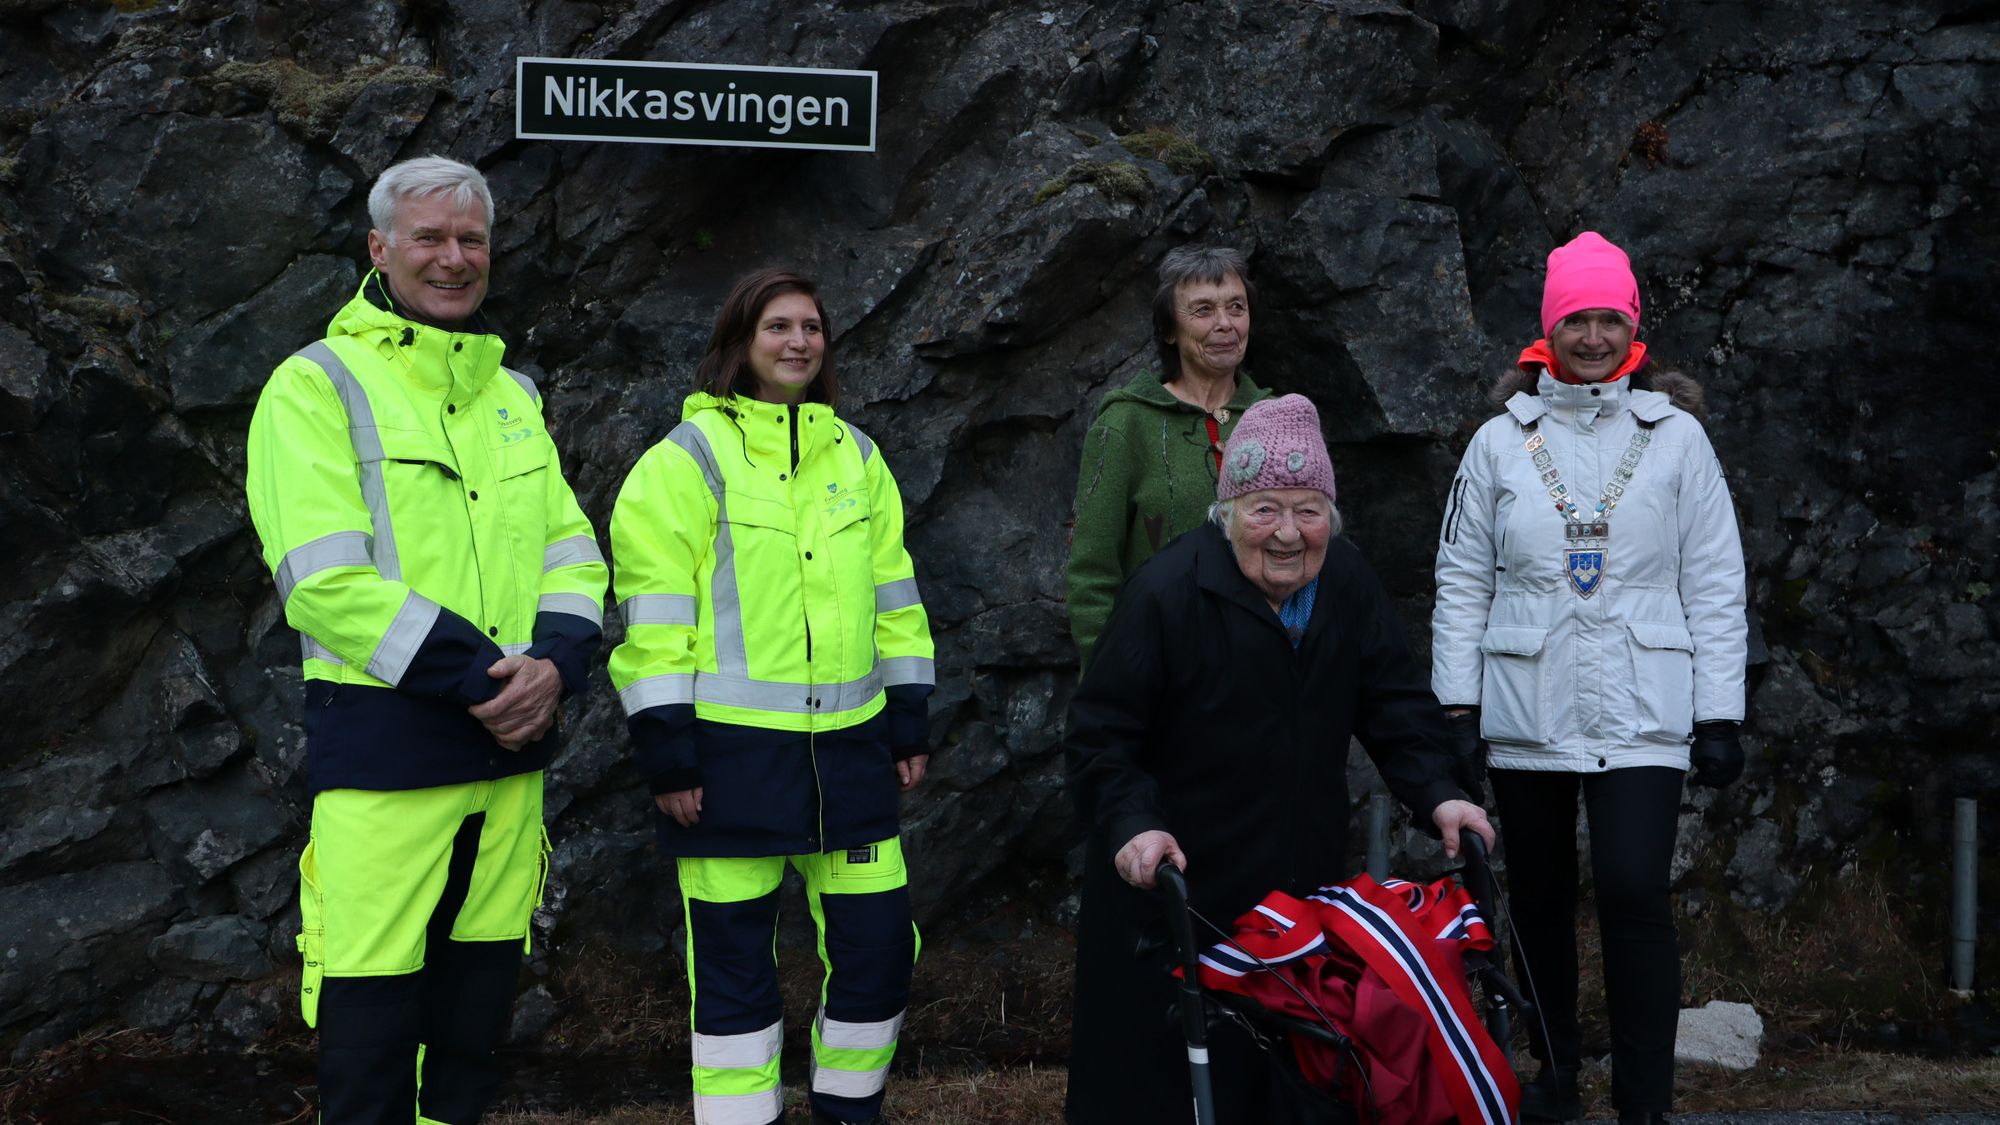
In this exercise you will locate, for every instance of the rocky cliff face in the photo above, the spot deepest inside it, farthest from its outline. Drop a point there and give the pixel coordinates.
(182, 192)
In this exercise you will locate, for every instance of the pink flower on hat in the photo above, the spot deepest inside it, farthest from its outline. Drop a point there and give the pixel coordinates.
(1277, 444)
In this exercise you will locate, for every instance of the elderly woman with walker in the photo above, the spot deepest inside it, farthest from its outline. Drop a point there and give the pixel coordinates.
(1211, 732)
(776, 663)
(1589, 638)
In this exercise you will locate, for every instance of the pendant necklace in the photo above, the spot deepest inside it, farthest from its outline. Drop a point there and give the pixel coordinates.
(1586, 538)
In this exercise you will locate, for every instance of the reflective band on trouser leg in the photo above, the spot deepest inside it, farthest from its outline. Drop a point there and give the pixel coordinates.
(736, 1077)
(736, 1011)
(860, 901)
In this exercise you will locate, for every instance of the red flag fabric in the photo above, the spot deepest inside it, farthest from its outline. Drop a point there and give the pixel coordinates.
(1385, 963)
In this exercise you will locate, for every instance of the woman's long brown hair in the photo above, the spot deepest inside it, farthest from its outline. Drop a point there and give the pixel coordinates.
(725, 363)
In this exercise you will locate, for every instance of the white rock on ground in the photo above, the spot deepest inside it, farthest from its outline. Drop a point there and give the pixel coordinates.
(1722, 1034)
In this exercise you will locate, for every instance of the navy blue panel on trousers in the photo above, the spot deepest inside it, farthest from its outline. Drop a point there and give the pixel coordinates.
(773, 792)
(735, 978)
(872, 950)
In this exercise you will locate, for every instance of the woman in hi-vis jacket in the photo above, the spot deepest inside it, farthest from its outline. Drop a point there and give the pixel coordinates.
(1590, 636)
(775, 668)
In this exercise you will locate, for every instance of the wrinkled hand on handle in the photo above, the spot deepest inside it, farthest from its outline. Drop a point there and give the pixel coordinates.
(1141, 857)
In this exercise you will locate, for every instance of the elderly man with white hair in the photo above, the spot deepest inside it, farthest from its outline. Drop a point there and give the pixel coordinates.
(1211, 732)
(448, 593)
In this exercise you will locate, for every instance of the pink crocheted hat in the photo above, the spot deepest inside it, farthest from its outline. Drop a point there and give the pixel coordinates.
(1588, 272)
(1276, 445)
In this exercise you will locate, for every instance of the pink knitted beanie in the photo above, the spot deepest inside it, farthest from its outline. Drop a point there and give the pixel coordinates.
(1275, 445)
(1588, 272)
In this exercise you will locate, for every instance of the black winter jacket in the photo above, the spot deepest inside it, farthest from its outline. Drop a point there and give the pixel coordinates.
(1199, 718)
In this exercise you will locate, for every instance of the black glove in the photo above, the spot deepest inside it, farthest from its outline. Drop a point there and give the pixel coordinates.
(1468, 754)
(1717, 752)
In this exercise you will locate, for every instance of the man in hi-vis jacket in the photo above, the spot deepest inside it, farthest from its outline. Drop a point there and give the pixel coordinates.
(448, 594)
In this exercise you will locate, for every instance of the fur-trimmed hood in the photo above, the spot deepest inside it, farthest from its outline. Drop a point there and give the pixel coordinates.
(1681, 389)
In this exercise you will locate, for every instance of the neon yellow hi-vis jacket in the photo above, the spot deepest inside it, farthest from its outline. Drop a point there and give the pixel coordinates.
(761, 573)
(414, 513)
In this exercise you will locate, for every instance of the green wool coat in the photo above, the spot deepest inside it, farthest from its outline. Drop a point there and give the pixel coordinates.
(1148, 476)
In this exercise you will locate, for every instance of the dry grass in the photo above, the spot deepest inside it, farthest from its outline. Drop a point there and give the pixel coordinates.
(313, 102)
(970, 1097)
(1171, 149)
(1842, 959)
(989, 1025)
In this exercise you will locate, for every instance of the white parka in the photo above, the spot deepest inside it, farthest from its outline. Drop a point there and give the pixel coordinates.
(1618, 679)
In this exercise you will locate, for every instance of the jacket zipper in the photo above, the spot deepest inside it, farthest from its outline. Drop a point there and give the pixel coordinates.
(812, 747)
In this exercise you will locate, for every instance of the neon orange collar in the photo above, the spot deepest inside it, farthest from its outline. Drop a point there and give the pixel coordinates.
(1539, 354)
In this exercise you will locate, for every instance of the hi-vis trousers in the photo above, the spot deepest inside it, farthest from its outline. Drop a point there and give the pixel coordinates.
(414, 907)
(860, 902)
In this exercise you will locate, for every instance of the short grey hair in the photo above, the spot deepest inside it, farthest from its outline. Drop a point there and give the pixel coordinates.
(426, 175)
(1183, 264)
(1220, 513)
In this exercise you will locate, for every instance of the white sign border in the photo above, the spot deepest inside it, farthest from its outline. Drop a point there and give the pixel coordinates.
(874, 102)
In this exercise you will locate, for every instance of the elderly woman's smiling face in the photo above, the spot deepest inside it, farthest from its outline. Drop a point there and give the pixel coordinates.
(1211, 326)
(1279, 536)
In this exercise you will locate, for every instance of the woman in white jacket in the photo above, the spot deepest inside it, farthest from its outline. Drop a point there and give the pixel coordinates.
(1590, 636)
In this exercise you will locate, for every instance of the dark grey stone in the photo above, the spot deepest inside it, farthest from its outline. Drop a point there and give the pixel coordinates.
(216, 948)
(1803, 190)
(224, 362)
(534, 1010)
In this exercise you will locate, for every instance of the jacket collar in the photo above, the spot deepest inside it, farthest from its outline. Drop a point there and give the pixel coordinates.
(766, 427)
(1147, 388)
(434, 358)
(1570, 399)
(1216, 572)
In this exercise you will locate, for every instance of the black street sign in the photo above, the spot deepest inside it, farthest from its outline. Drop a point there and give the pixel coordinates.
(694, 104)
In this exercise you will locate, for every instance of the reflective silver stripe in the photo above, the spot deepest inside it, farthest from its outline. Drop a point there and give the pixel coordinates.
(735, 1052)
(907, 670)
(367, 444)
(732, 658)
(342, 548)
(849, 1083)
(310, 649)
(860, 1036)
(778, 696)
(657, 691)
(658, 609)
(516, 649)
(760, 1108)
(900, 594)
(527, 384)
(402, 639)
(569, 552)
(576, 605)
(861, 439)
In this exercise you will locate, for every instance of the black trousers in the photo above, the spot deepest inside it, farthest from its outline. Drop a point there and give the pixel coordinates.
(456, 1007)
(1633, 816)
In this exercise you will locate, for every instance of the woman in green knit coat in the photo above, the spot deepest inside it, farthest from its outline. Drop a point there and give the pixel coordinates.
(1151, 456)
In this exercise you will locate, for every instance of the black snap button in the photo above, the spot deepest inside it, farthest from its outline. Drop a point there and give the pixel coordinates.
(459, 347)
(449, 409)
(1593, 392)
(809, 556)
(475, 495)
(815, 703)
(493, 630)
(782, 476)
(1600, 763)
